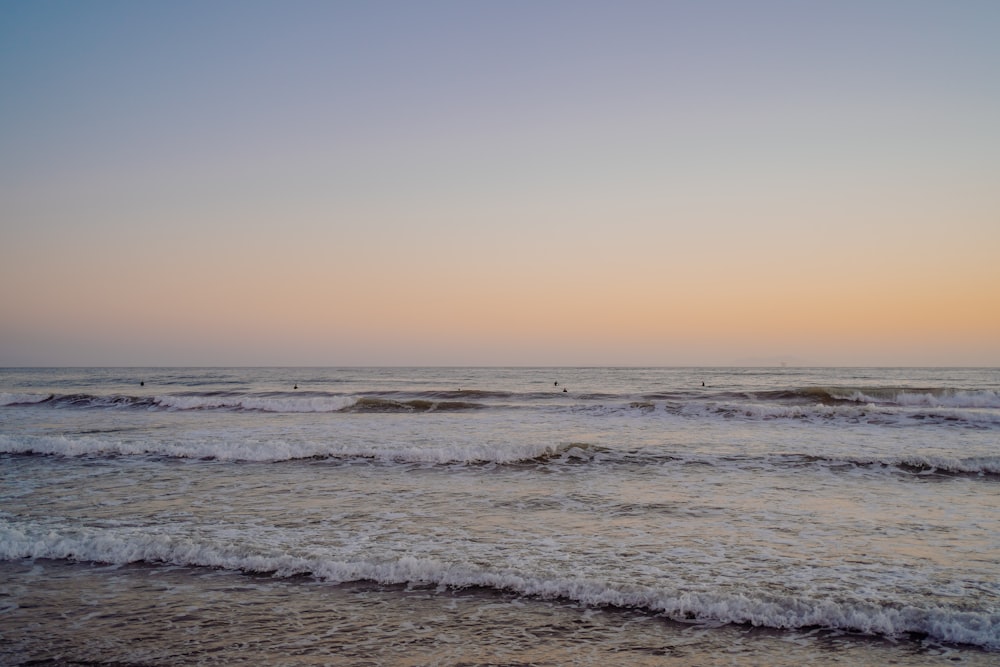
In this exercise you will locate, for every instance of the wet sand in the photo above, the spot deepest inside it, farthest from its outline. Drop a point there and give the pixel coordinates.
(63, 613)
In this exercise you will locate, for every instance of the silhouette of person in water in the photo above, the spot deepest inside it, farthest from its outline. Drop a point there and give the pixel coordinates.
(142, 383)
(295, 387)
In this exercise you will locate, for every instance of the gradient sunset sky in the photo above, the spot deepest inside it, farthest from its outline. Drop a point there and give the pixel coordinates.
(500, 183)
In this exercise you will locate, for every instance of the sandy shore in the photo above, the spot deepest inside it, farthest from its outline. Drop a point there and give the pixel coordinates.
(60, 613)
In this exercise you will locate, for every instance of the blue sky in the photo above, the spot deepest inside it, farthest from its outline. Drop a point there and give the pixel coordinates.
(503, 182)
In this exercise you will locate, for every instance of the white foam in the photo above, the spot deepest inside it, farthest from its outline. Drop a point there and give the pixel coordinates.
(246, 448)
(950, 399)
(767, 411)
(973, 465)
(31, 444)
(127, 545)
(860, 412)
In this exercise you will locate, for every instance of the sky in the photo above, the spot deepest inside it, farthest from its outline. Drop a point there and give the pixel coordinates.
(551, 182)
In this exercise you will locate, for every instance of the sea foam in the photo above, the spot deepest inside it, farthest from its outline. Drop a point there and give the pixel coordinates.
(245, 448)
(122, 546)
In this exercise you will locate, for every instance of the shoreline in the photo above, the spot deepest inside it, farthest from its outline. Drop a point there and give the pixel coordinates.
(140, 615)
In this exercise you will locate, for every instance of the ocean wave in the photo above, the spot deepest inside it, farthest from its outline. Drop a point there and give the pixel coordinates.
(374, 404)
(458, 394)
(260, 403)
(287, 402)
(18, 398)
(254, 450)
(936, 397)
(242, 449)
(914, 397)
(986, 467)
(122, 546)
(975, 465)
(813, 406)
(855, 412)
(870, 406)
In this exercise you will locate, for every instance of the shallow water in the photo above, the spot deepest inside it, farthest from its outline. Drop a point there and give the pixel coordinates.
(144, 615)
(473, 516)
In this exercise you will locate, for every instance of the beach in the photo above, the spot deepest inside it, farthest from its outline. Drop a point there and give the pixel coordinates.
(499, 516)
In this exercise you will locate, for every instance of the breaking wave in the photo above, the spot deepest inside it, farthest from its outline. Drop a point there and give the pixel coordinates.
(242, 449)
(415, 405)
(261, 403)
(246, 449)
(13, 398)
(931, 398)
(971, 409)
(270, 402)
(872, 405)
(883, 396)
(123, 546)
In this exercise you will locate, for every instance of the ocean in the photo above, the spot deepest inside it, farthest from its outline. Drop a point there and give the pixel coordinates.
(499, 516)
